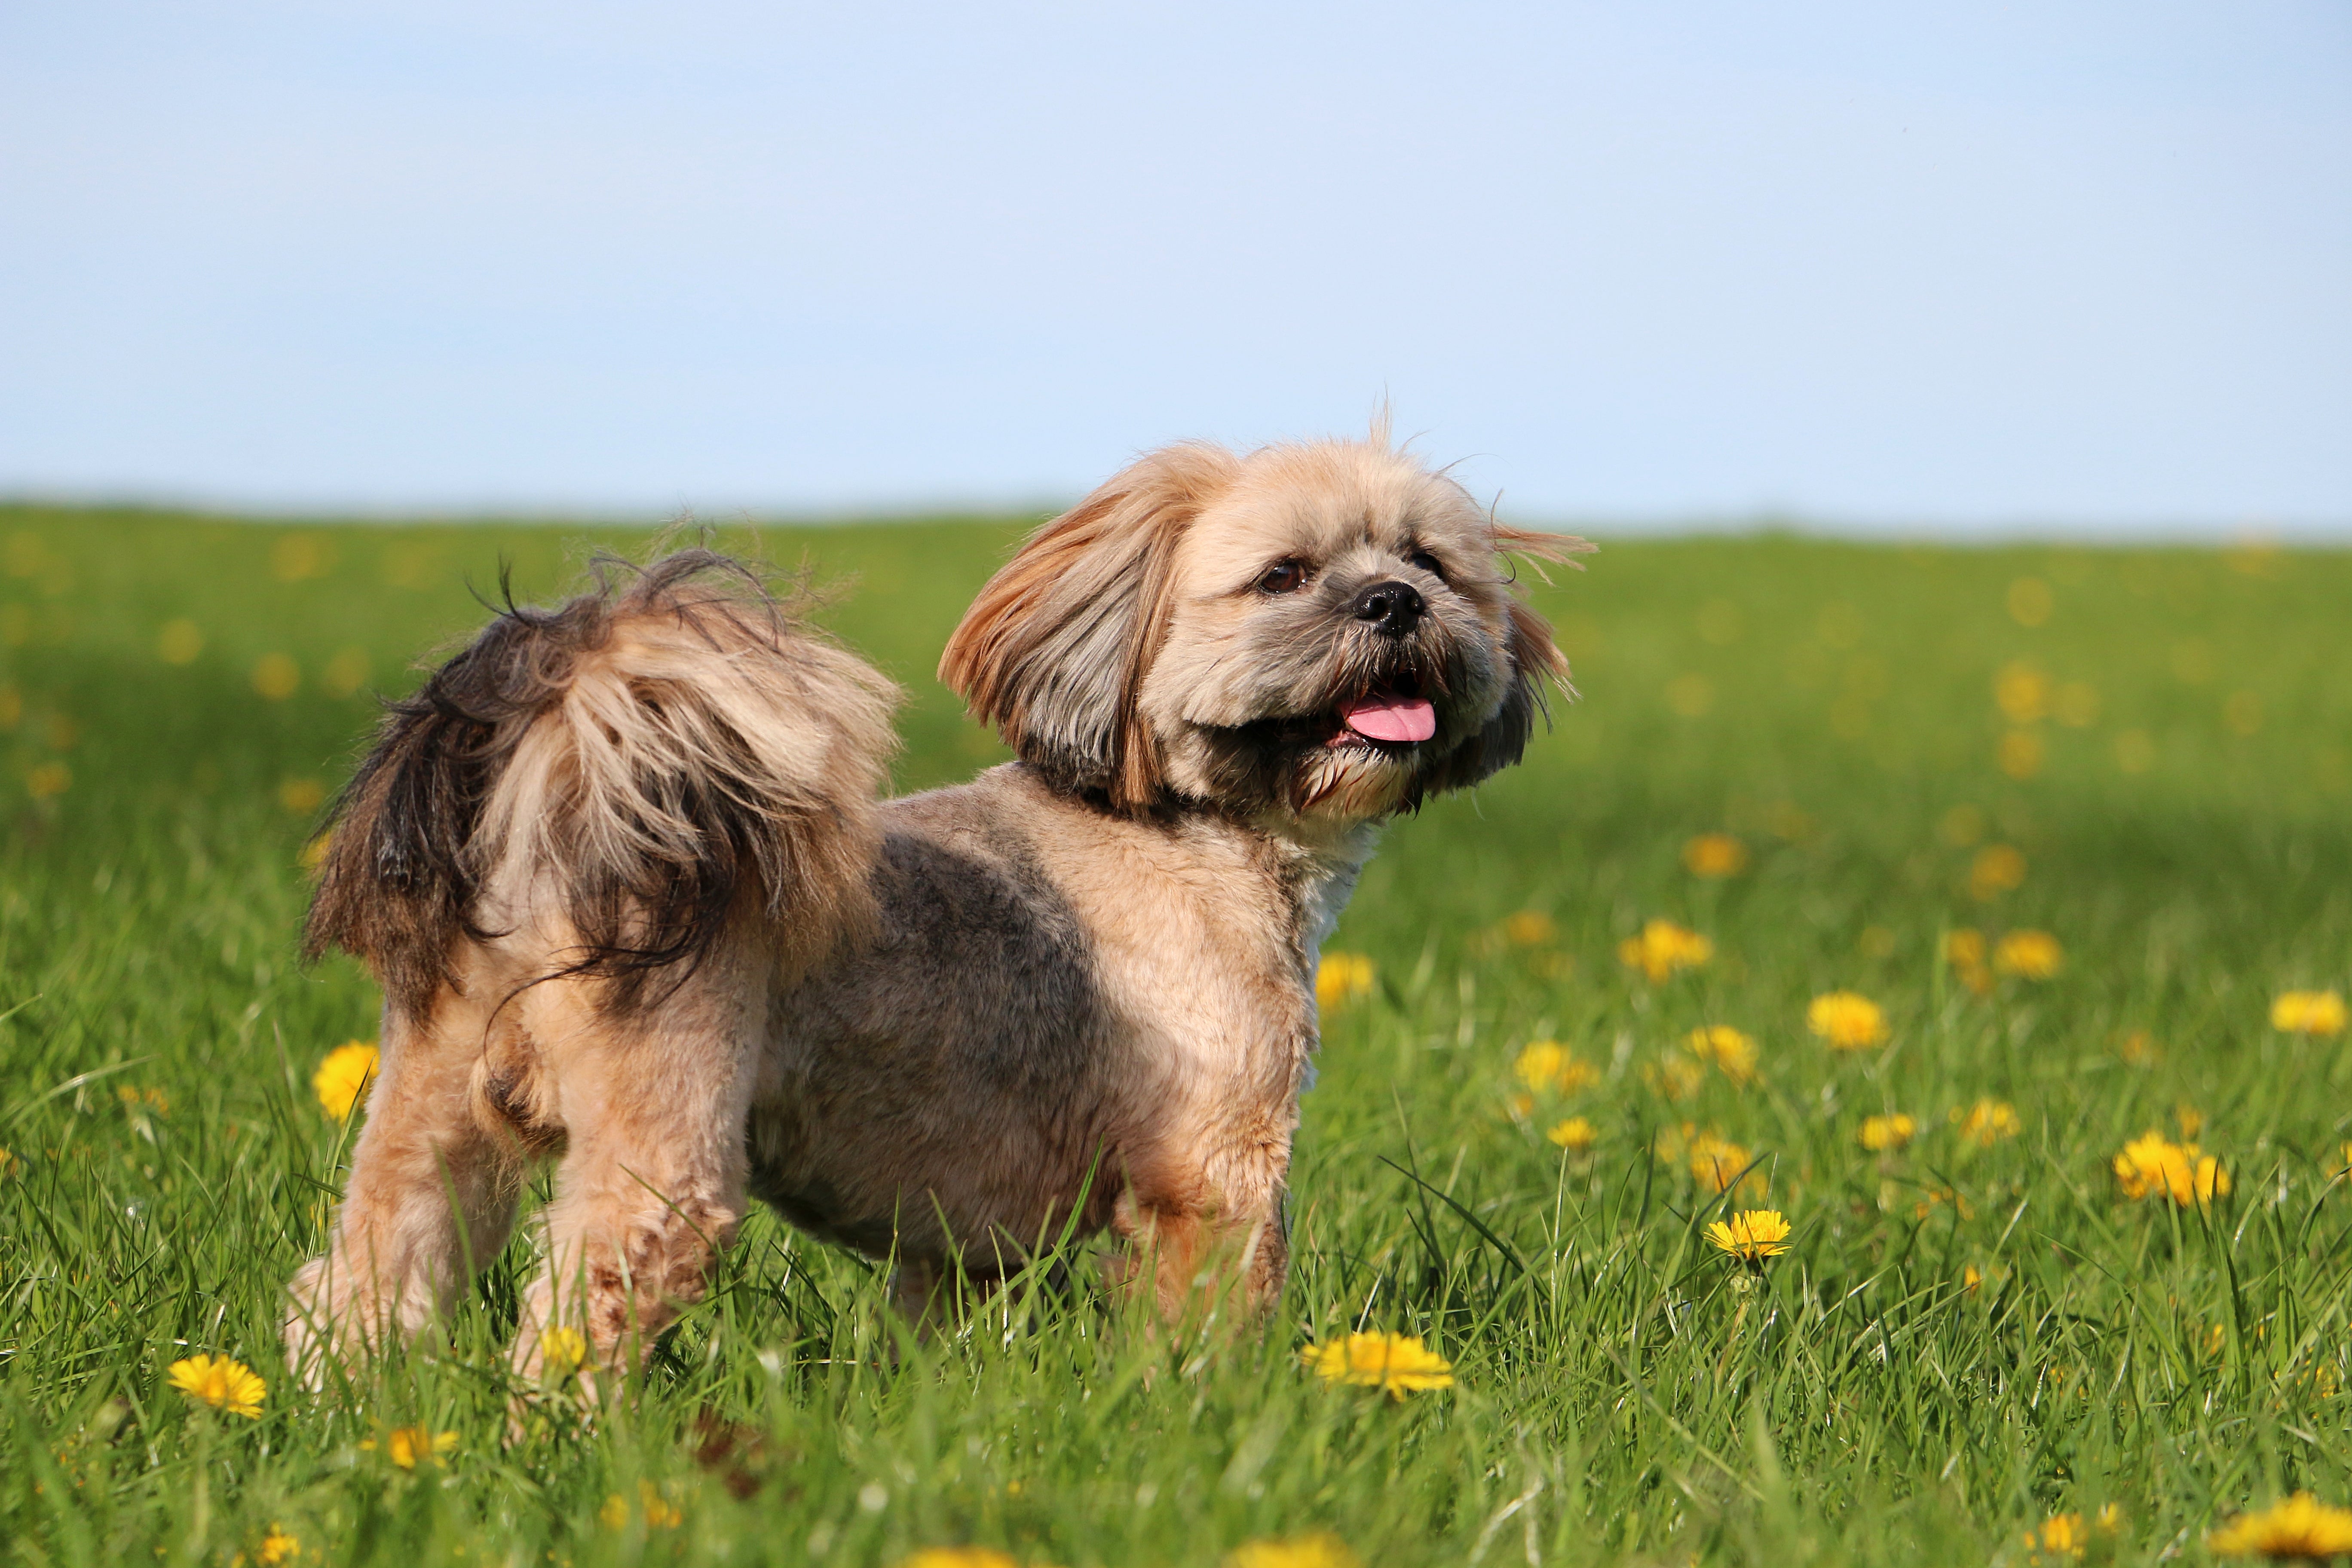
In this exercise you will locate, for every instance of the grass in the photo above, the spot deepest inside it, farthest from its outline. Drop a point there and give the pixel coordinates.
(2181, 809)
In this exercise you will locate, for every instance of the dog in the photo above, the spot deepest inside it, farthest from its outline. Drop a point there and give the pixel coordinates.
(623, 872)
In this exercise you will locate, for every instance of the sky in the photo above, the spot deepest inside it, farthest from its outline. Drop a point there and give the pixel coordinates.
(2065, 266)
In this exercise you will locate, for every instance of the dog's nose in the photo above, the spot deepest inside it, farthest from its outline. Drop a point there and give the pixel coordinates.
(1393, 607)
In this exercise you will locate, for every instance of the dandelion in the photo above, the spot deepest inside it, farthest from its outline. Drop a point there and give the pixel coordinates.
(222, 1382)
(1715, 855)
(1997, 869)
(343, 1079)
(959, 1557)
(2189, 1118)
(2308, 1013)
(615, 1514)
(405, 1446)
(1546, 1065)
(1343, 977)
(1847, 1021)
(2022, 691)
(2137, 1048)
(301, 797)
(277, 1548)
(2066, 1534)
(563, 1350)
(1673, 1077)
(2028, 954)
(1751, 1236)
(1971, 1279)
(660, 1511)
(1988, 1121)
(1716, 1162)
(1392, 1362)
(2152, 1166)
(1964, 951)
(1528, 928)
(1576, 1134)
(1662, 949)
(1322, 1549)
(2300, 1527)
(1885, 1135)
(1733, 1053)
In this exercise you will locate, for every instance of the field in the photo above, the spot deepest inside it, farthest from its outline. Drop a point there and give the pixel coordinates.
(1833, 764)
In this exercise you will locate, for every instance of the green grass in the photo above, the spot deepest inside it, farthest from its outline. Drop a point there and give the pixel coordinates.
(1617, 1399)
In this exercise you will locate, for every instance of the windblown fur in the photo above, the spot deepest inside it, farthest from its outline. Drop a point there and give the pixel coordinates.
(622, 871)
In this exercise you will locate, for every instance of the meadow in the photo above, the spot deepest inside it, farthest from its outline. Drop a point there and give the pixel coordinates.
(2069, 822)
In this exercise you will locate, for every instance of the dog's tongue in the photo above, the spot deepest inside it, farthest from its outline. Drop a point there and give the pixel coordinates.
(1390, 718)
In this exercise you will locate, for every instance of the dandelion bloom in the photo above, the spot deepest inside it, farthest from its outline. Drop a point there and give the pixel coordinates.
(1733, 1053)
(277, 1548)
(1341, 977)
(1847, 1021)
(1716, 1162)
(1751, 1236)
(1528, 928)
(1575, 1134)
(563, 1350)
(2066, 1534)
(1988, 1121)
(2308, 1013)
(959, 1557)
(2028, 954)
(2190, 1120)
(1883, 1134)
(1394, 1363)
(1323, 1550)
(1971, 1279)
(221, 1382)
(343, 1079)
(2300, 1527)
(405, 1446)
(1662, 949)
(1715, 855)
(1673, 1077)
(1997, 869)
(1964, 951)
(1547, 1065)
(2152, 1166)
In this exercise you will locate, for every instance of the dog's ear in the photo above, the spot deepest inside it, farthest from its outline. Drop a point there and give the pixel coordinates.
(1054, 649)
(1536, 662)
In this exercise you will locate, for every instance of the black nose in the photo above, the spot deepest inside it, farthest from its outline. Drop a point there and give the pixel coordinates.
(1394, 607)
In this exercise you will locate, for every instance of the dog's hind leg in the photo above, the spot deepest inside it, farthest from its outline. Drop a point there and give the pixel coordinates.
(430, 1200)
(651, 1187)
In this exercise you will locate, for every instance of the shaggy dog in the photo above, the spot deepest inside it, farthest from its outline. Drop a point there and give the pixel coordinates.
(624, 873)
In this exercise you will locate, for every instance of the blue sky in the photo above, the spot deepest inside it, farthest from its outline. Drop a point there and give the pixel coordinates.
(2073, 265)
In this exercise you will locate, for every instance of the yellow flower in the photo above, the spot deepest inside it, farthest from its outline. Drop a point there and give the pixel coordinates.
(563, 1350)
(1971, 1279)
(277, 1548)
(616, 1512)
(1318, 1551)
(1715, 855)
(660, 1513)
(1848, 1022)
(2190, 1120)
(1964, 949)
(1997, 869)
(1341, 977)
(221, 1382)
(2151, 1165)
(1662, 949)
(959, 1557)
(1673, 1077)
(1394, 1363)
(2066, 1534)
(1751, 1236)
(407, 1445)
(1528, 928)
(2022, 692)
(2137, 1048)
(1880, 1134)
(2343, 1154)
(2028, 954)
(1988, 1121)
(1575, 1134)
(344, 1078)
(1546, 1065)
(2302, 1527)
(2308, 1013)
(1733, 1053)
(1716, 1162)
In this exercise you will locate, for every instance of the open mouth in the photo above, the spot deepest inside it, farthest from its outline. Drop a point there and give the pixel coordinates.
(1394, 713)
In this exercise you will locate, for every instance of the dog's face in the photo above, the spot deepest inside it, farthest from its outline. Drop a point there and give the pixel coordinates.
(1327, 630)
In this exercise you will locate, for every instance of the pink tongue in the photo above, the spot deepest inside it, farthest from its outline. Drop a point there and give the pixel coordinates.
(1395, 718)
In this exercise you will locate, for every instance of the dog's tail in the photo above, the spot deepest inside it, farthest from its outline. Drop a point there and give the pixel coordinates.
(631, 769)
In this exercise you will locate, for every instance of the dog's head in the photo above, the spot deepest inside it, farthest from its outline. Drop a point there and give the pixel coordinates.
(1325, 629)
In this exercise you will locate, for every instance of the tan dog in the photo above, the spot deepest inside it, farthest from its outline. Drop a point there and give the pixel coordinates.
(622, 869)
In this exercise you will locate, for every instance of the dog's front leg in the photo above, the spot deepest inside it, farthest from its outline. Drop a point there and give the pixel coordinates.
(1203, 1241)
(430, 1200)
(651, 1187)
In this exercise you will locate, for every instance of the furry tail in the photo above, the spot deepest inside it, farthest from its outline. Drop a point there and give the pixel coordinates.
(632, 764)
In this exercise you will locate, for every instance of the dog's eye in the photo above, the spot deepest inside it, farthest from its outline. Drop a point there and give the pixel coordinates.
(1428, 563)
(1283, 577)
